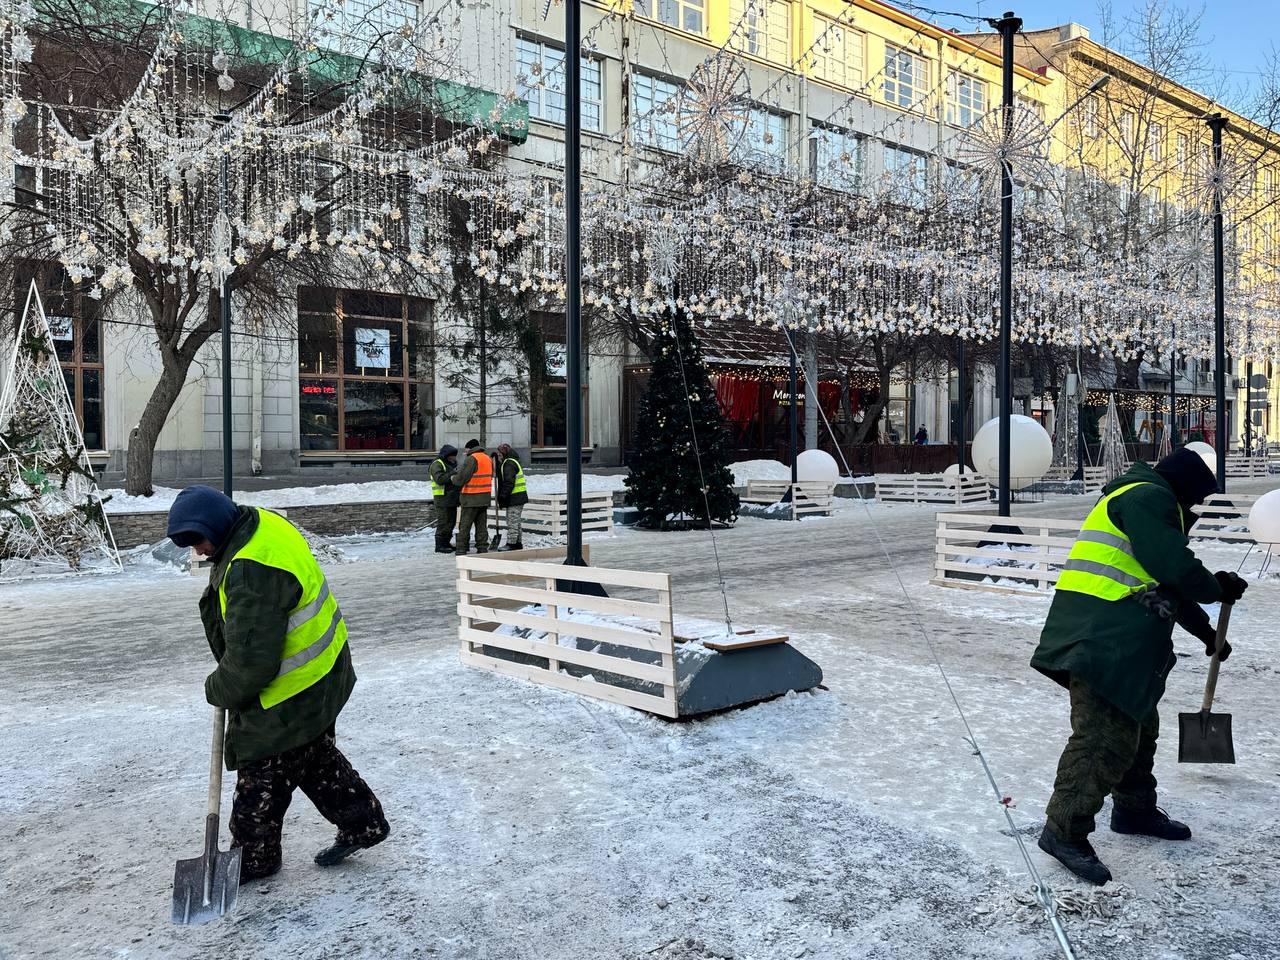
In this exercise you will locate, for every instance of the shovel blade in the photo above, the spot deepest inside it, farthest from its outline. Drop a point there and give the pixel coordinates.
(189, 903)
(1205, 737)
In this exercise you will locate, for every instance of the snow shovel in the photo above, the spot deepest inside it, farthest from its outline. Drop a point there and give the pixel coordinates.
(1205, 737)
(205, 888)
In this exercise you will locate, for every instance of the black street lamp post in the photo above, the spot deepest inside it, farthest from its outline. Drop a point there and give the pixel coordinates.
(1007, 26)
(1217, 123)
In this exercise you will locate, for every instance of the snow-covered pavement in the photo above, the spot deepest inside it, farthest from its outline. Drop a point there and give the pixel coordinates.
(850, 823)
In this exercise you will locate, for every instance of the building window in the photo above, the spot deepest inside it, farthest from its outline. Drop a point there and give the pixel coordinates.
(365, 27)
(75, 323)
(1090, 122)
(765, 140)
(837, 52)
(1155, 142)
(906, 76)
(835, 158)
(907, 170)
(541, 83)
(1151, 203)
(1126, 130)
(1183, 155)
(365, 371)
(966, 99)
(547, 420)
(685, 15)
(764, 28)
(655, 105)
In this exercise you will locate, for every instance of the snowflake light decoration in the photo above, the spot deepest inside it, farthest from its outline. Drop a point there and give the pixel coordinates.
(1234, 177)
(990, 146)
(713, 110)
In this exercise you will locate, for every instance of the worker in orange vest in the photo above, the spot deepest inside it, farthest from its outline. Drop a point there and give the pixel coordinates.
(475, 476)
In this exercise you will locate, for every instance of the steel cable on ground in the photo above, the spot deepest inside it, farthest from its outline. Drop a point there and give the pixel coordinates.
(1043, 893)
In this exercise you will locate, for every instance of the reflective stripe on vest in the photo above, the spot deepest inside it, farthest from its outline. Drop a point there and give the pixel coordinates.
(436, 489)
(482, 480)
(521, 486)
(316, 631)
(1102, 563)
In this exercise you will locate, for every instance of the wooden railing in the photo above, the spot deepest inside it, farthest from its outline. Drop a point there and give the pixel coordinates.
(515, 620)
(1025, 554)
(548, 513)
(1240, 467)
(956, 490)
(1224, 516)
(811, 496)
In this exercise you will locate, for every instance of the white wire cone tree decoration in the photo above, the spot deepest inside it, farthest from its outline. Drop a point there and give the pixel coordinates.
(1114, 458)
(51, 516)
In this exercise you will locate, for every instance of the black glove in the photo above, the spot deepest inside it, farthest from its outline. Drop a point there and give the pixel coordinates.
(1233, 586)
(1209, 637)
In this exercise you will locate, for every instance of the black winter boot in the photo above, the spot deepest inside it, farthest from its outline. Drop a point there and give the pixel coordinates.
(340, 849)
(444, 549)
(513, 546)
(1148, 823)
(1076, 855)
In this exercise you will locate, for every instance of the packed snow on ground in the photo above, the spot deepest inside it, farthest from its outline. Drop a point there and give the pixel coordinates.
(371, 490)
(532, 824)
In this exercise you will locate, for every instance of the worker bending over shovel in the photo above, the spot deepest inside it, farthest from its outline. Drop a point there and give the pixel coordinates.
(284, 674)
(1109, 640)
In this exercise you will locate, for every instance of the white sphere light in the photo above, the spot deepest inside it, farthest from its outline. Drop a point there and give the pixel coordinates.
(817, 465)
(1207, 454)
(951, 475)
(1030, 451)
(1264, 518)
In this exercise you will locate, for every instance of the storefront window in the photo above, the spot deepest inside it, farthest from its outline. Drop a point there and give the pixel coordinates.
(381, 395)
(548, 424)
(76, 325)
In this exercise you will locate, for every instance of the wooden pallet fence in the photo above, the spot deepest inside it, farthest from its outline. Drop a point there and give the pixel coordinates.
(957, 490)
(629, 665)
(1095, 478)
(969, 553)
(1219, 514)
(548, 513)
(1240, 467)
(812, 497)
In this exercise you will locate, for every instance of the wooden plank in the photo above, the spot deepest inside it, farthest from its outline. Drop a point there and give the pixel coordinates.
(600, 633)
(744, 642)
(602, 575)
(578, 601)
(1009, 573)
(621, 666)
(986, 520)
(988, 587)
(600, 691)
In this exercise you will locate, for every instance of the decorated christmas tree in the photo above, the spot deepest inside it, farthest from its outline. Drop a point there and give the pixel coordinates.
(51, 517)
(680, 474)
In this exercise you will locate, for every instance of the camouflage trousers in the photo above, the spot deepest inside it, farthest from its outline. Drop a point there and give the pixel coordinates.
(265, 787)
(1108, 753)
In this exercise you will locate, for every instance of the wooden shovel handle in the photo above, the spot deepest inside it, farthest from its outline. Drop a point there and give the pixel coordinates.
(215, 760)
(1224, 618)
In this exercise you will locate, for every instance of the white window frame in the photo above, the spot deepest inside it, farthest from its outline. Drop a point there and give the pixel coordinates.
(836, 157)
(358, 23)
(766, 140)
(654, 123)
(1155, 142)
(1089, 121)
(687, 15)
(838, 54)
(540, 88)
(964, 108)
(906, 77)
(765, 29)
(897, 158)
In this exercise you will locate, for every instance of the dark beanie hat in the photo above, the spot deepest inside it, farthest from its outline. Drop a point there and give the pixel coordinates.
(1189, 475)
(201, 513)
(473, 445)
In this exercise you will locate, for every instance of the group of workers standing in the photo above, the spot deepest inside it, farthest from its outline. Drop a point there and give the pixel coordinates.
(464, 492)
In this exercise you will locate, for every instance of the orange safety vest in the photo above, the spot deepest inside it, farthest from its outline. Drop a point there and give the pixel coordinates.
(482, 480)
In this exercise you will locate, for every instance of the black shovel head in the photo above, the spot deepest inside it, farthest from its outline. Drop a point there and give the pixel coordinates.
(190, 904)
(1205, 737)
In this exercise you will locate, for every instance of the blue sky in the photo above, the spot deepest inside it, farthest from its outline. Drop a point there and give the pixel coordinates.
(1238, 35)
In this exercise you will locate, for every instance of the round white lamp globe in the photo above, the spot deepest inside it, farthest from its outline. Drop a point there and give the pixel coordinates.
(817, 465)
(1030, 451)
(951, 475)
(1264, 518)
(1206, 452)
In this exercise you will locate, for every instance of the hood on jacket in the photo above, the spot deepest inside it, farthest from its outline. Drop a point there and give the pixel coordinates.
(447, 451)
(1189, 475)
(201, 513)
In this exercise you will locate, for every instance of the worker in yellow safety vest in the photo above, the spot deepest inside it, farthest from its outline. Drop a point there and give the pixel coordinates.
(444, 496)
(284, 674)
(513, 493)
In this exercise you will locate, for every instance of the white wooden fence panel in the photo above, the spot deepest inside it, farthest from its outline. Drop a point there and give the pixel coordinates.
(1224, 516)
(956, 490)
(549, 513)
(811, 496)
(1035, 555)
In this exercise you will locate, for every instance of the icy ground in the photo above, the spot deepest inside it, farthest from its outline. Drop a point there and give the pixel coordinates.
(534, 825)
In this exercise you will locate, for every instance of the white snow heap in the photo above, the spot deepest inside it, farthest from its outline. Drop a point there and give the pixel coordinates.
(51, 516)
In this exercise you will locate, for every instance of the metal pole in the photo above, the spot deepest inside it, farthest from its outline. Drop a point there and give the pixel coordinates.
(1173, 387)
(224, 297)
(1008, 25)
(1248, 409)
(1217, 123)
(792, 419)
(573, 279)
(962, 424)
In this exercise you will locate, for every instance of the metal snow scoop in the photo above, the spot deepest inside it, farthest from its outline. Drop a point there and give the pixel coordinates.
(205, 888)
(1205, 737)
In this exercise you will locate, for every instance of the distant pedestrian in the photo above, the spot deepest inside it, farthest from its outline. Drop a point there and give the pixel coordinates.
(284, 674)
(512, 493)
(445, 496)
(474, 478)
(922, 436)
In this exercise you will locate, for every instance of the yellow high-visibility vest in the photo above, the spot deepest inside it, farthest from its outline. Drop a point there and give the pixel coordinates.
(1101, 563)
(317, 632)
(436, 489)
(520, 486)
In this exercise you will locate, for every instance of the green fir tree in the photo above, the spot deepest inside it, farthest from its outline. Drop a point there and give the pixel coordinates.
(665, 483)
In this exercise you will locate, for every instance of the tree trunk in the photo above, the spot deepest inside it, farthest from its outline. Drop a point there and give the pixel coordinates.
(140, 458)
